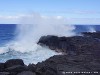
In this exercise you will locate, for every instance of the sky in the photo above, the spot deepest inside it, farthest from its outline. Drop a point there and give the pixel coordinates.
(75, 11)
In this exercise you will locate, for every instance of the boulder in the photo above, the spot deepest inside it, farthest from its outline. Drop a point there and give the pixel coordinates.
(14, 62)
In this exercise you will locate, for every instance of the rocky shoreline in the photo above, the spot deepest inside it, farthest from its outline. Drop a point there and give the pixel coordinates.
(81, 56)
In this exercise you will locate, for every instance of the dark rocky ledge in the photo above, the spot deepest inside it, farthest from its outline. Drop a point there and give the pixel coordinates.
(93, 34)
(75, 45)
(80, 54)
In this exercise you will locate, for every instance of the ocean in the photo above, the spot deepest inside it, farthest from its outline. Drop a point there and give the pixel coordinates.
(18, 41)
(7, 33)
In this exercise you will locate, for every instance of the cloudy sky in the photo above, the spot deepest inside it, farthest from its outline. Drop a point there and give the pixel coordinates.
(75, 11)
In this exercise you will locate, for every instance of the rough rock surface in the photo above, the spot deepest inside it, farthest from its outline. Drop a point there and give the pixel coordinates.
(16, 67)
(64, 63)
(71, 45)
(26, 73)
(13, 62)
(92, 34)
(81, 54)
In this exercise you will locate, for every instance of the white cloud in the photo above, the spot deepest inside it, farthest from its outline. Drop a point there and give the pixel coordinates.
(85, 21)
(9, 19)
(29, 17)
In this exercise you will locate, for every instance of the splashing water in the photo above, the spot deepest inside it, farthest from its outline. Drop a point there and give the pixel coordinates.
(28, 32)
(91, 29)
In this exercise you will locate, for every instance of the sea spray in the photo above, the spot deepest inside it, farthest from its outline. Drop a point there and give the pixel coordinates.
(91, 29)
(28, 32)
(32, 27)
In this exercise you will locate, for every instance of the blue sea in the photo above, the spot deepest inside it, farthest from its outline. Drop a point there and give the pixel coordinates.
(12, 48)
(7, 33)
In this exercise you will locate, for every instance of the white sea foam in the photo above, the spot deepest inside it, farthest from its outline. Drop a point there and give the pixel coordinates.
(3, 50)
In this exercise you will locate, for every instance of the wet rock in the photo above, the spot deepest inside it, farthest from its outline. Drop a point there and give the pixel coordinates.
(14, 62)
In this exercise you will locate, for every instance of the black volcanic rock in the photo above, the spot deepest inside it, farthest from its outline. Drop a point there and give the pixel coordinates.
(81, 54)
(71, 45)
(31, 67)
(17, 68)
(55, 43)
(4, 73)
(59, 64)
(2, 67)
(14, 62)
(92, 34)
(52, 42)
(26, 73)
(46, 69)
